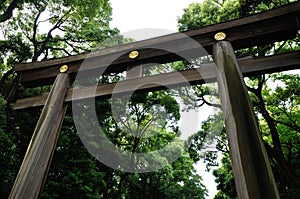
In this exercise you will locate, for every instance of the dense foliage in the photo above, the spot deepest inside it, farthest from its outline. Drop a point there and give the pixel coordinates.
(275, 98)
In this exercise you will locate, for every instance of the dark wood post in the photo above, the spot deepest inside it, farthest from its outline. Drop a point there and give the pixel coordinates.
(37, 160)
(134, 71)
(252, 172)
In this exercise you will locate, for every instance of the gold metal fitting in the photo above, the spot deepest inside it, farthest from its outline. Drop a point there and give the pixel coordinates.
(133, 54)
(63, 68)
(220, 36)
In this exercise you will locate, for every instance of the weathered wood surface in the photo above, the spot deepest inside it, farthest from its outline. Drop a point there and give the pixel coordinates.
(37, 160)
(134, 72)
(269, 64)
(252, 172)
(274, 25)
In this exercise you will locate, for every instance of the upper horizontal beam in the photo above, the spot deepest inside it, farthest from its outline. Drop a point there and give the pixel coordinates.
(206, 73)
(270, 26)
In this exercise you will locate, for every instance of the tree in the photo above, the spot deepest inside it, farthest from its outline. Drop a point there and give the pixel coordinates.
(224, 178)
(40, 30)
(136, 127)
(279, 113)
(276, 115)
(208, 13)
(147, 124)
(280, 108)
(8, 155)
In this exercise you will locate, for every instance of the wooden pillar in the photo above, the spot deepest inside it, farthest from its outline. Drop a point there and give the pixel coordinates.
(134, 72)
(252, 172)
(37, 160)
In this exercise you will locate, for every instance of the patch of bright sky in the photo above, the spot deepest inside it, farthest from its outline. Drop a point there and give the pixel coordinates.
(131, 15)
(143, 19)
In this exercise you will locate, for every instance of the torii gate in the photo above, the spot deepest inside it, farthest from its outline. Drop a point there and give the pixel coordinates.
(252, 172)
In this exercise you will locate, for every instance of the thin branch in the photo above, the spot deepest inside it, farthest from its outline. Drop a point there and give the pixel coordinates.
(46, 55)
(280, 47)
(205, 101)
(147, 126)
(75, 48)
(13, 89)
(60, 49)
(211, 104)
(61, 29)
(49, 36)
(292, 126)
(6, 75)
(47, 19)
(253, 90)
(34, 36)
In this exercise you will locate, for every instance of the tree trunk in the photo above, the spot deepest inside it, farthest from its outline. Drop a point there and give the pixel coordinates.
(283, 166)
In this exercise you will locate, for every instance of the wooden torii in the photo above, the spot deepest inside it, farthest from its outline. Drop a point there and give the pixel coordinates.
(252, 171)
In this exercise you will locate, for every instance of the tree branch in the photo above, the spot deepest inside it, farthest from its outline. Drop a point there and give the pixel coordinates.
(277, 149)
(6, 75)
(211, 104)
(49, 36)
(34, 35)
(9, 11)
(202, 94)
(292, 126)
(279, 48)
(54, 17)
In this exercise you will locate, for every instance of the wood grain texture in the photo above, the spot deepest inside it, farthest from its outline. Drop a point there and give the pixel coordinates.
(134, 72)
(206, 73)
(252, 171)
(274, 25)
(33, 171)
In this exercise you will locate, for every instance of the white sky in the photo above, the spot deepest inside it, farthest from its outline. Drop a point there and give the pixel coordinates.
(129, 15)
(142, 19)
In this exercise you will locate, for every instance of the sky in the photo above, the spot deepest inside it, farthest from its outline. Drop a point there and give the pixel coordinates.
(142, 19)
(131, 15)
